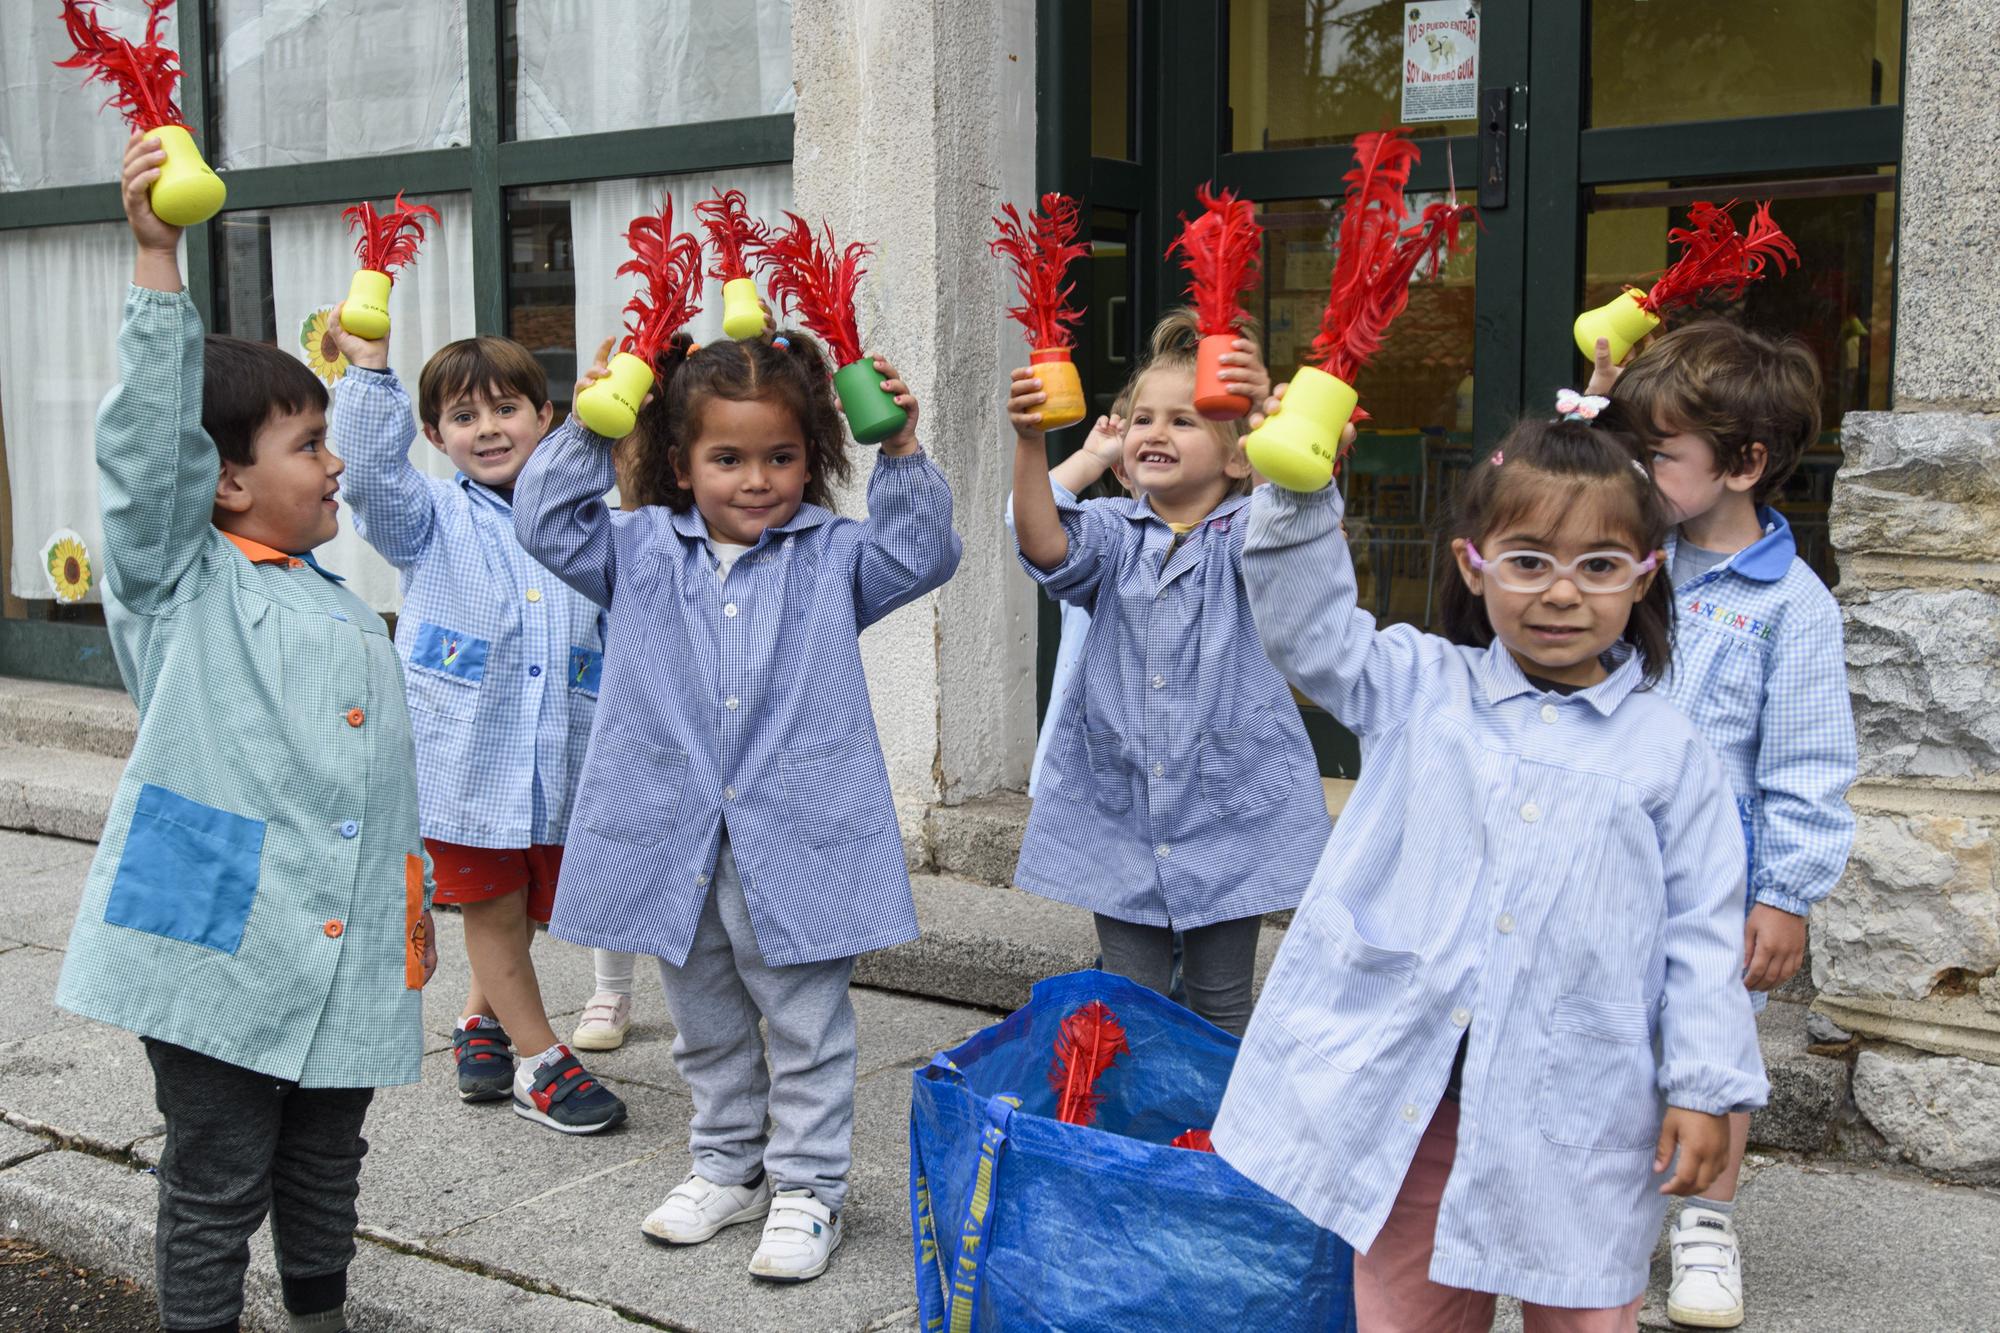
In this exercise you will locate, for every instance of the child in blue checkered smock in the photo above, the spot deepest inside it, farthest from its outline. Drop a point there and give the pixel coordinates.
(735, 817)
(1179, 792)
(1508, 1018)
(502, 663)
(1759, 666)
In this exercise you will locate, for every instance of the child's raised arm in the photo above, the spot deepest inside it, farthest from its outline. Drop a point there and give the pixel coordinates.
(1038, 531)
(157, 469)
(394, 508)
(559, 510)
(908, 545)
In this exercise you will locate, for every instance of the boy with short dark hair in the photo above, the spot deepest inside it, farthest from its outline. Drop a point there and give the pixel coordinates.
(1759, 667)
(259, 907)
(502, 662)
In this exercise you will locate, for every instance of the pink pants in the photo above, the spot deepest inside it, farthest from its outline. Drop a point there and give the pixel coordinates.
(1393, 1292)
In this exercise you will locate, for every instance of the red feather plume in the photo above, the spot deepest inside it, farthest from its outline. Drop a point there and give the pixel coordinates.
(1040, 251)
(142, 74)
(1220, 250)
(1378, 257)
(1195, 1140)
(669, 264)
(1086, 1044)
(732, 233)
(817, 279)
(388, 240)
(1715, 257)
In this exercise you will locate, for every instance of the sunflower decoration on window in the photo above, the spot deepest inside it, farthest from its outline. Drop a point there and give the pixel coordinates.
(321, 354)
(67, 561)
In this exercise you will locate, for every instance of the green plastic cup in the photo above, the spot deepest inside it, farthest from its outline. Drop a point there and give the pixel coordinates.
(872, 415)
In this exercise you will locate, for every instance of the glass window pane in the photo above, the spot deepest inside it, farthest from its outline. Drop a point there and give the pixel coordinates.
(1653, 62)
(1839, 299)
(582, 66)
(1305, 72)
(567, 241)
(278, 269)
(1107, 339)
(1417, 390)
(1111, 78)
(55, 130)
(312, 80)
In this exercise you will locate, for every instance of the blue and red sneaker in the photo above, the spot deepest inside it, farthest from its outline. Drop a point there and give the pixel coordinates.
(485, 1061)
(567, 1097)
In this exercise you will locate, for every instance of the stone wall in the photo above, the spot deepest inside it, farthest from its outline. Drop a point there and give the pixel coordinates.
(1906, 953)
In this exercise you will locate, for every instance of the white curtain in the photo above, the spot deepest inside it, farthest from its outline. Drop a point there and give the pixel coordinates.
(310, 80)
(62, 293)
(602, 210)
(52, 131)
(312, 260)
(593, 65)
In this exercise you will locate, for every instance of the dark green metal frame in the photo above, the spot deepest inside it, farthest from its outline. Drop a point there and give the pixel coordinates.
(1537, 49)
(488, 167)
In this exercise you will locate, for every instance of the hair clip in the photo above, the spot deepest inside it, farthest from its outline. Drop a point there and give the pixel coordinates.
(1640, 468)
(1574, 406)
(780, 340)
(693, 347)
(1497, 459)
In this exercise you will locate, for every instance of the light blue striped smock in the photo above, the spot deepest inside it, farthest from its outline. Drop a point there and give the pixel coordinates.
(1562, 875)
(501, 658)
(1180, 789)
(1760, 668)
(740, 699)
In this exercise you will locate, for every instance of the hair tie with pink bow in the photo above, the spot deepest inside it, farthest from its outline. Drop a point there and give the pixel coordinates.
(1574, 406)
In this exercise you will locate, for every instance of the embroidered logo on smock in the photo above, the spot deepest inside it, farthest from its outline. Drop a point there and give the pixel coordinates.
(1717, 614)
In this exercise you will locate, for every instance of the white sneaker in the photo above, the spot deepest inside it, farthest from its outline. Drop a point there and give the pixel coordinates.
(800, 1236)
(606, 1020)
(697, 1209)
(1707, 1290)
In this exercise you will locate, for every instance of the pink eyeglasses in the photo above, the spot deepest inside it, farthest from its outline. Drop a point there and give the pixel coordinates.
(1537, 571)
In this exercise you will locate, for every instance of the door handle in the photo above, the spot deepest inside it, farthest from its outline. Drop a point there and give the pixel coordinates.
(1495, 106)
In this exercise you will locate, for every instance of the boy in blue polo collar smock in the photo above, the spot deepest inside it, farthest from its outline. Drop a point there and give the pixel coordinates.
(1759, 667)
(502, 662)
(259, 908)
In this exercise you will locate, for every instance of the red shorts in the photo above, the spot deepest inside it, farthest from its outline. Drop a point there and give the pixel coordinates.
(482, 874)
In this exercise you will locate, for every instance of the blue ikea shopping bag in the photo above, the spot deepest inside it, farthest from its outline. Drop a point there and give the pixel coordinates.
(1022, 1222)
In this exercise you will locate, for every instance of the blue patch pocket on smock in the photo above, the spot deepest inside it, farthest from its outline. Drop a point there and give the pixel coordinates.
(189, 871)
(446, 650)
(586, 669)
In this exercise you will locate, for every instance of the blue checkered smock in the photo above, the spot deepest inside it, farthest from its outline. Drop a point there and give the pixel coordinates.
(738, 700)
(502, 659)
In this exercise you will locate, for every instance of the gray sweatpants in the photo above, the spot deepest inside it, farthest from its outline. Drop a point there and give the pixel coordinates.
(716, 998)
(240, 1144)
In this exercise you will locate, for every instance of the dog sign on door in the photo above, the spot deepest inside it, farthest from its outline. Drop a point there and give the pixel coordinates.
(1440, 60)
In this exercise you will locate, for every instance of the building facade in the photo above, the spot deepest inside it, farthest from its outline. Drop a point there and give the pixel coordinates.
(539, 127)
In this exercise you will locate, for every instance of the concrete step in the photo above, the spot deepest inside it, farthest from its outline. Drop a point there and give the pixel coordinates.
(64, 792)
(54, 716)
(1809, 1093)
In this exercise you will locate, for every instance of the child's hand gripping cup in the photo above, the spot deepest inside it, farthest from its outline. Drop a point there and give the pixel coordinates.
(1040, 252)
(1714, 257)
(817, 279)
(1377, 259)
(735, 237)
(388, 242)
(1219, 249)
(143, 75)
(669, 266)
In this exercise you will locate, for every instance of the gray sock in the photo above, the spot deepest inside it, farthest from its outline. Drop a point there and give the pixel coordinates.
(1728, 1209)
(326, 1321)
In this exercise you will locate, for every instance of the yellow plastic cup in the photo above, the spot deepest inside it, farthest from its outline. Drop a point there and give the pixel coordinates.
(1053, 367)
(188, 190)
(742, 317)
(610, 406)
(365, 313)
(1297, 444)
(1620, 322)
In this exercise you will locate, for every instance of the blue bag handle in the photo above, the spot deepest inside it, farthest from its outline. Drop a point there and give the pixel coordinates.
(949, 1305)
(934, 1296)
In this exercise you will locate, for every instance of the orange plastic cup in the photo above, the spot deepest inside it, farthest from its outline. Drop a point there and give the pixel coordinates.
(1212, 397)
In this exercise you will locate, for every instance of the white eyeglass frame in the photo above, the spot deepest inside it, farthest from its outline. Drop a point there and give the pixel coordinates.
(1512, 580)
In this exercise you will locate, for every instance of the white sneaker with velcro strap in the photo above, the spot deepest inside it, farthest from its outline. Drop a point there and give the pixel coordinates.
(1707, 1289)
(696, 1209)
(800, 1236)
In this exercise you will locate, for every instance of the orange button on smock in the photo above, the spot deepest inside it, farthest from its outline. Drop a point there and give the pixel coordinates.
(355, 717)
(333, 929)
